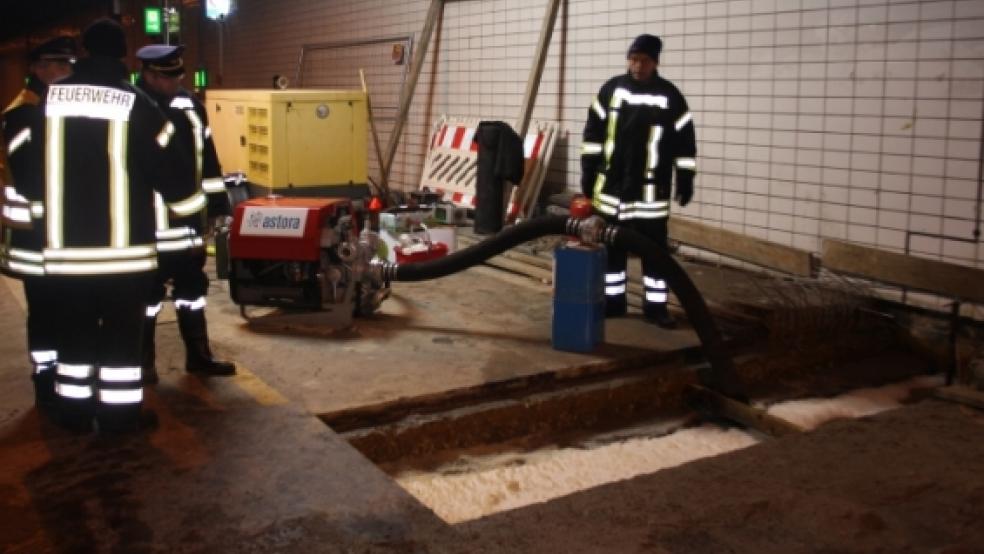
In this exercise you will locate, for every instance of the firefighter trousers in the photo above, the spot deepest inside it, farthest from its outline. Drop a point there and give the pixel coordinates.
(42, 332)
(99, 343)
(185, 270)
(42, 320)
(655, 289)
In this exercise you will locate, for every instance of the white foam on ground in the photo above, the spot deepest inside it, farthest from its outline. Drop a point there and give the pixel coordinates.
(810, 413)
(472, 488)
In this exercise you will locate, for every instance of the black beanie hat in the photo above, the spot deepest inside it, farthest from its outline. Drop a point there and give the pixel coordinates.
(105, 37)
(646, 44)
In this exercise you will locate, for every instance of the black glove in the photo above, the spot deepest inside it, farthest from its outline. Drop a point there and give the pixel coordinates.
(684, 187)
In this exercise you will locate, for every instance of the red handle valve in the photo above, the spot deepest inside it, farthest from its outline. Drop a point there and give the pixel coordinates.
(580, 207)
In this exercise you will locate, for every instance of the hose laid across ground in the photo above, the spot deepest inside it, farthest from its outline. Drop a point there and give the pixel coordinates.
(722, 376)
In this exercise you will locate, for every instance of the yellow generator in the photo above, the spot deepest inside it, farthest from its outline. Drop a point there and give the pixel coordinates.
(292, 142)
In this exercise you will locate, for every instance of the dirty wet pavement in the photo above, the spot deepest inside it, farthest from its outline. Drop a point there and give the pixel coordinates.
(244, 464)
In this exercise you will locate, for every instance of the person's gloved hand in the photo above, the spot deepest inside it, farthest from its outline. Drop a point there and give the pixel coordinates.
(684, 187)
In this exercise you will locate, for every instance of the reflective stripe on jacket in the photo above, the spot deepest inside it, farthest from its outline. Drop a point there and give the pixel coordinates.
(175, 231)
(108, 148)
(636, 136)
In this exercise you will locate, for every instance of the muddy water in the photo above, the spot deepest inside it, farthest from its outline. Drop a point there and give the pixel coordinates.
(474, 487)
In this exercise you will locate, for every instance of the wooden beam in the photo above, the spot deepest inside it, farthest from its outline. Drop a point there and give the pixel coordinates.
(533, 81)
(383, 184)
(409, 87)
(707, 400)
(526, 194)
(742, 247)
(961, 395)
(946, 279)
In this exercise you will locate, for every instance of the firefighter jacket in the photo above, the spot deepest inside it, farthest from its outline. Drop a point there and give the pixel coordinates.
(4, 180)
(23, 194)
(106, 149)
(636, 135)
(187, 114)
(500, 157)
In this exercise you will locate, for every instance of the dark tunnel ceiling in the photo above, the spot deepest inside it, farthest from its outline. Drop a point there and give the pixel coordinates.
(20, 17)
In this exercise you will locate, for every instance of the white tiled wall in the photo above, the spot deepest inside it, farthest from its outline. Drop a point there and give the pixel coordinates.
(850, 119)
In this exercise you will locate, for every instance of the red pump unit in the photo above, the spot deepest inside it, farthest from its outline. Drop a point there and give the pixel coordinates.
(306, 253)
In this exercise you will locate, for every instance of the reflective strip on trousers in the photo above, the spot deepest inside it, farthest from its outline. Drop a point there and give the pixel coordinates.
(75, 392)
(194, 305)
(615, 283)
(119, 374)
(44, 360)
(44, 356)
(121, 396)
(656, 291)
(75, 371)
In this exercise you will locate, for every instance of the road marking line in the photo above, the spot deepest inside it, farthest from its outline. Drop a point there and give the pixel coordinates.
(264, 394)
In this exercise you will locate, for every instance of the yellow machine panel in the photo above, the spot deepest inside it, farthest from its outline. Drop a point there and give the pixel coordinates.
(291, 138)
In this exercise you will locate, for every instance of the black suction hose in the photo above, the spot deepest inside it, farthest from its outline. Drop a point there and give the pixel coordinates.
(722, 376)
(505, 239)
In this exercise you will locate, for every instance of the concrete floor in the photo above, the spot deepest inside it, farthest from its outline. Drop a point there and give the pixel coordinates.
(241, 461)
(242, 465)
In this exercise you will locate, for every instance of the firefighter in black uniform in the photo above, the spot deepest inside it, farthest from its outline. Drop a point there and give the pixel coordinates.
(23, 238)
(638, 134)
(107, 148)
(180, 240)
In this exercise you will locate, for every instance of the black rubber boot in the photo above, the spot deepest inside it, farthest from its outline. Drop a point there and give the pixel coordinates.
(44, 386)
(615, 306)
(75, 415)
(658, 314)
(148, 366)
(124, 419)
(199, 358)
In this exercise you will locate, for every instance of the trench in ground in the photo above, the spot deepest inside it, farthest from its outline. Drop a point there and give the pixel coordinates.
(472, 452)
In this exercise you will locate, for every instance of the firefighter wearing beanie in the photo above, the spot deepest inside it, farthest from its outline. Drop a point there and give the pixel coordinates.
(638, 152)
(106, 149)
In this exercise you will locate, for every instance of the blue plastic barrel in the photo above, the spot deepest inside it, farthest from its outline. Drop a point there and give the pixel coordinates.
(579, 297)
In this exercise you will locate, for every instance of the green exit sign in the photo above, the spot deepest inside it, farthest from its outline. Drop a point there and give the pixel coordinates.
(201, 79)
(153, 21)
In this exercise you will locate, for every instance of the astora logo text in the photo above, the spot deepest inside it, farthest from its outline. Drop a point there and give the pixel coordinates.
(258, 220)
(281, 222)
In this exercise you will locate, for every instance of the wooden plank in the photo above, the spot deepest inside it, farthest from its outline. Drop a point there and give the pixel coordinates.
(742, 247)
(946, 279)
(543, 262)
(536, 71)
(961, 395)
(527, 196)
(383, 184)
(539, 274)
(409, 87)
(704, 399)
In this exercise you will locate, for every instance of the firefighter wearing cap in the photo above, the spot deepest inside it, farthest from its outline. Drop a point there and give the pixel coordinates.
(106, 150)
(638, 136)
(23, 214)
(180, 240)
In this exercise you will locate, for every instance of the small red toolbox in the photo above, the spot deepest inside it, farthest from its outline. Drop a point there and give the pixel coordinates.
(420, 252)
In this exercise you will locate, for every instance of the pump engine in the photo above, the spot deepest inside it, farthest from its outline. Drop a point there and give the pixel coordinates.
(303, 255)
